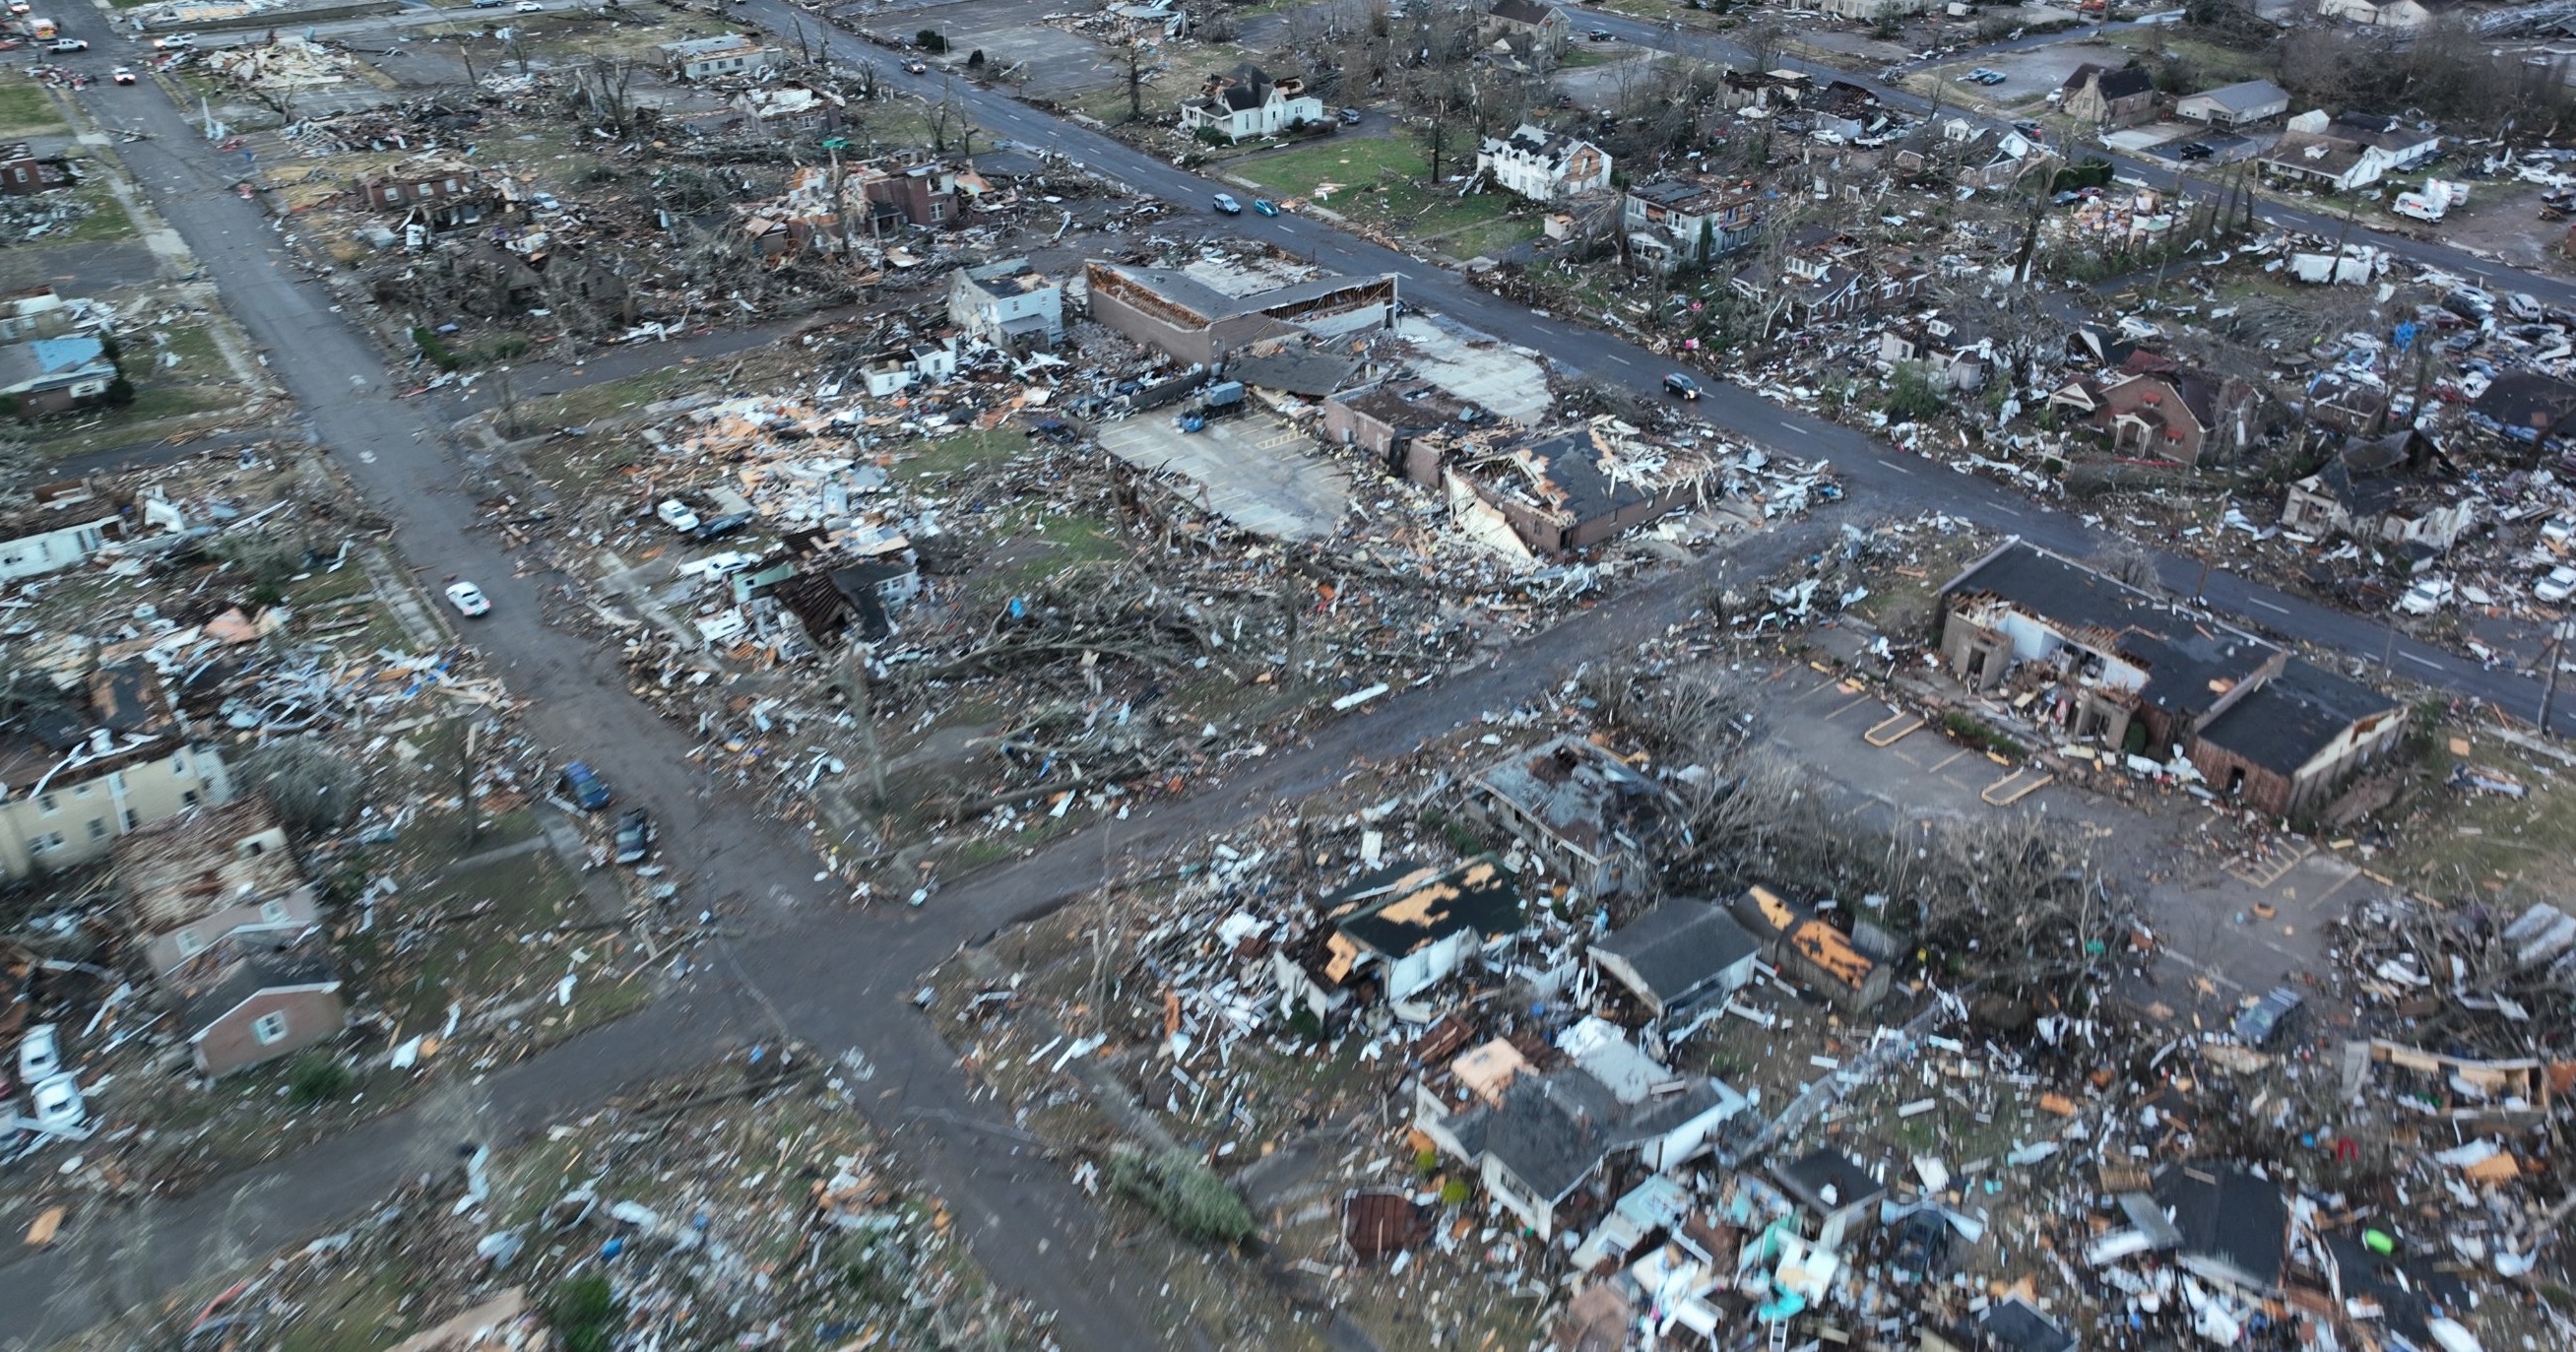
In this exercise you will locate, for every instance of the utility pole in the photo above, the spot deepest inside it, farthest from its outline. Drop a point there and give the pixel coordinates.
(2555, 653)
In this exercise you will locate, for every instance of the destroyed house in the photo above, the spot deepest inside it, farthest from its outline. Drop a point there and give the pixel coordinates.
(2107, 664)
(1008, 304)
(858, 599)
(59, 545)
(76, 808)
(1678, 956)
(1408, 924)
(2235, 1227)
(249, 1000)
(923, 195)
(1551, 1134)
(1827, 276)
(2380, 490)
(191, 882)
(1676, 221)
(1589, 818)
(2012, 1325)
(1542, 165)
(2526, 406)
(1834, 1188)
(1811, 950)
(440, 197)
(791, 111)
(1180, 315)
(1951, 354)
(2110, 96)
(24, 171)
(2409, 1289)
(1579, 487)
(2327, 161)
(1386, 419)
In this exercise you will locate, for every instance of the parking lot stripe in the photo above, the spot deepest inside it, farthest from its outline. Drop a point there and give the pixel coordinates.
(1944, 762)
(1855, 702)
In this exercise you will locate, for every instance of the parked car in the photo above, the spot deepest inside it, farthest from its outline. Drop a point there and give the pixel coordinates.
(2556, 585)
(121, 75)
(68, 45)
(584, 788)
(676, 515)
(634, 836)
(1264, 206)
(1601, 35)
(2264, 1020)
(490, 4)
(55, 1105)
(174, 42)
(528, 7)
(1678, 384)
(1226, 205)
(717, 527)
(2426, 595)
(2192, 150)
(468, 600)
(40, 1054)
(1350, 117)
(916, 68)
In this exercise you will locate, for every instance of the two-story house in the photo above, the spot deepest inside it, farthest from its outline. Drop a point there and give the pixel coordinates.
(722, 57)
(1542, 165)
(193, 881)
(2110, 96)
(1544, 25)
(1689, 220)
(1007, 303)
(2158, 409)
(1245, 101)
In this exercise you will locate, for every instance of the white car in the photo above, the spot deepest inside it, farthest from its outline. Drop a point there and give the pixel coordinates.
(56, 1106)
(174, 42)
(468, 600)
(122, 75)
(40, 1054)
(528, 7)
(2428, 594)
(2556, 585)
(676, 515)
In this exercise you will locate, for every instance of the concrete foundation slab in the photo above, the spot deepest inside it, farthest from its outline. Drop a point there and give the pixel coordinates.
(1258, 472)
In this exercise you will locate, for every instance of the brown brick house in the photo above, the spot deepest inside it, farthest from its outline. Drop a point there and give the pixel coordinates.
(248, 1001)
(2154, 408)
(2092, 660)
(2110, 96)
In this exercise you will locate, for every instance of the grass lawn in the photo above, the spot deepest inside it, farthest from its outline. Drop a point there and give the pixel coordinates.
(106, 219)
(1489, 239)
(2468, 844)
(2213, 63)
(961, 451)
(1586, 57)
(1377, 180)
(27, 110)
(157, 412)
(1181, 74)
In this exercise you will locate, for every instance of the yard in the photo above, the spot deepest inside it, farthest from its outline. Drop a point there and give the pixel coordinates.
(28, 110)
(1378, 180)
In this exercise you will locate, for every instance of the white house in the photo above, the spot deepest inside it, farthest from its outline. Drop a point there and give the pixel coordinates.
(61, 547)
(900, 369)
(1542, 165)
(1246, 102)
(1007, 303)
(718, 57)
